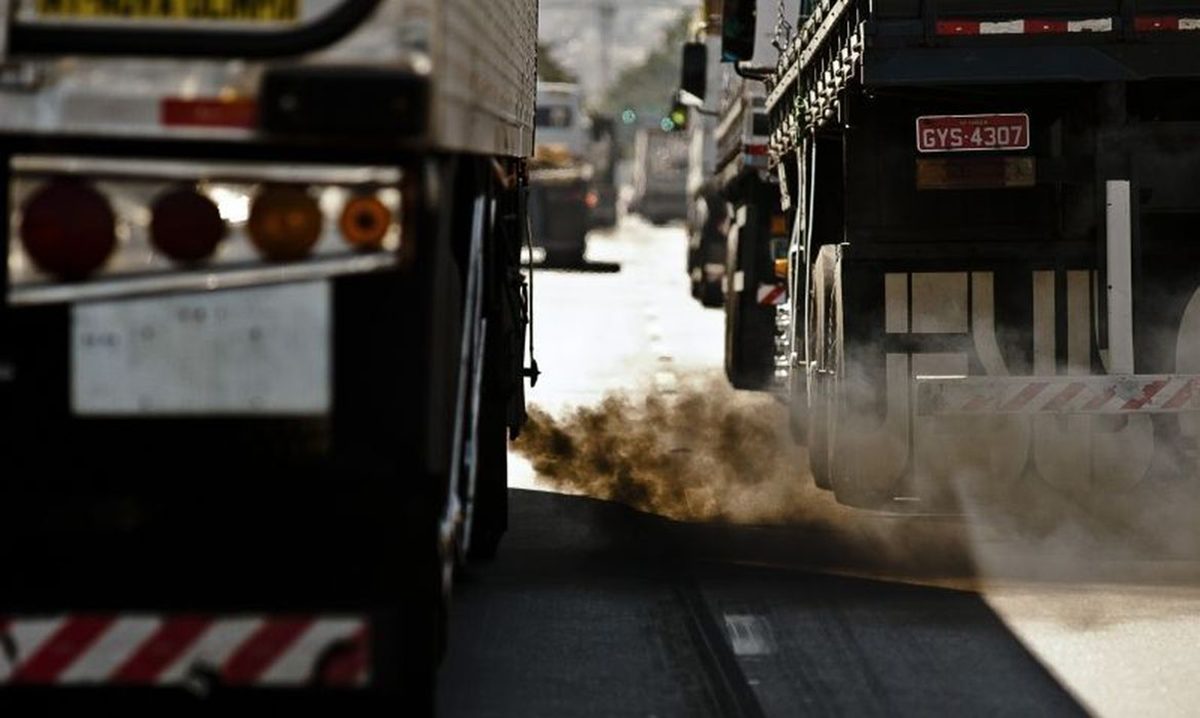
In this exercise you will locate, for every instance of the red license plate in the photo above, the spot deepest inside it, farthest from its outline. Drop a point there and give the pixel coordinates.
(972, 133)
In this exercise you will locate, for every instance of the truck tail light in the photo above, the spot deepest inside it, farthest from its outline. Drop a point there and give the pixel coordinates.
(592, 200)
(285, 222)
(68, 228)
(185, 225)
(365, 222)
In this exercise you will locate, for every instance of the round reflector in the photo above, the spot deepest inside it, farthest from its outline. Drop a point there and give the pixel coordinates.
(186, 226)
(68, 228)
(285, 223)
(365, 221)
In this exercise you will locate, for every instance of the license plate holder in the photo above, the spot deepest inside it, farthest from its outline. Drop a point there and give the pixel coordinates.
(256, 351)
(999, 132)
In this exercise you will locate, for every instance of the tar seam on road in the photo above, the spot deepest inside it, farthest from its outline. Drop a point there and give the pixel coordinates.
(733, 694)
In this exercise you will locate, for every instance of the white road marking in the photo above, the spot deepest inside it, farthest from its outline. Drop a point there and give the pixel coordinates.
(666, 382)
(749, 634)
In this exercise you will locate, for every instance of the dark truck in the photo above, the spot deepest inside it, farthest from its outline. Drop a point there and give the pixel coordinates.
(754, 231)
(992, 206)
(260, 344)
(560, 175)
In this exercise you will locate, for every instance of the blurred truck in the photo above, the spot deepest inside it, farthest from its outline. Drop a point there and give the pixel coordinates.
(994, 283)
(739, 253)
(560, 174)
(707, 221)
(604, 154)
(660, 164)
(261, 343)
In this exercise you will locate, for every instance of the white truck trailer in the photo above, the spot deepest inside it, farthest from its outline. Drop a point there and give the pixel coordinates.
(260, 344)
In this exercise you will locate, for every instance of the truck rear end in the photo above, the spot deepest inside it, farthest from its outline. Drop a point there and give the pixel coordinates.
(660, 175)
(561, 174)
(261, 342)
(991, 207)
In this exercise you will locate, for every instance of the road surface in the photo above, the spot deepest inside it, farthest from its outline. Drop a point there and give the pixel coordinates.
(787, 604)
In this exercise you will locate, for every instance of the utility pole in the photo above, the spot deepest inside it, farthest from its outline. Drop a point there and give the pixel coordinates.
(608, 17)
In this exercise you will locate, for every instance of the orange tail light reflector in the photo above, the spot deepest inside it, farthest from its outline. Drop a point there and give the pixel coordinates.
(285, 222)
(365, 222)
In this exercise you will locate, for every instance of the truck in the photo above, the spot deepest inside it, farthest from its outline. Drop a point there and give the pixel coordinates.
(561, 174)
(660, 162)
(261, 343)
(604, 155)
(707, 222)
(991, 279)
(738, 255)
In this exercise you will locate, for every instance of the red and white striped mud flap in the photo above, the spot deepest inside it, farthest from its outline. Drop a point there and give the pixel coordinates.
(941, 396)
(277, 651)
(771, 295)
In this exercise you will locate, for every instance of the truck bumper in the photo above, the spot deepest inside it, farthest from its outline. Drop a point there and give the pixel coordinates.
(1051, 395)
(559, 216)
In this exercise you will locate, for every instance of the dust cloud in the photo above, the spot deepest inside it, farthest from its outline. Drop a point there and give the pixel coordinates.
(722, 463)
(712, 457)
(707, 453)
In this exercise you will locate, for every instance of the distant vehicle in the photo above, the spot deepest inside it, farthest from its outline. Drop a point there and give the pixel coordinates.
(560, 174)
(660, 175)
(261, 344)
(739, 227)
(602, 191)
(708, 213)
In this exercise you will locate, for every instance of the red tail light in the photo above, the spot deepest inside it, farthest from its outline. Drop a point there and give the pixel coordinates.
(186, 226)
(68, 228)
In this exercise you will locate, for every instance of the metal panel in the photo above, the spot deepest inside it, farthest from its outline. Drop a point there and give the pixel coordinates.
(480, 57)
(256, 351)
(485, 76)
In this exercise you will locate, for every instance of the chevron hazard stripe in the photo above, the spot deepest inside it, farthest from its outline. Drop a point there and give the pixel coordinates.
(1058, 395)
(770, 295)
(166, 650)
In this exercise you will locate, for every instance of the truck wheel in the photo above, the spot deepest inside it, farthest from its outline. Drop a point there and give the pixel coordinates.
(819, 415)
(852, 484)
(490, 519)
(420, 638)
(712, 295)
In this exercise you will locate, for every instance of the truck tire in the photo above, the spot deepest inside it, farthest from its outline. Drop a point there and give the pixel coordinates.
(490, 514)
(490, 519)
(749, 326)
(851, 485)
(818, 402)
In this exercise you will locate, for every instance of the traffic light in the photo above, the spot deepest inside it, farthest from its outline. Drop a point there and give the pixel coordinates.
(678, 118)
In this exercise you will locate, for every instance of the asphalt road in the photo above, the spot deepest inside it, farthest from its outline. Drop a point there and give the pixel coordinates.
(788, 604)
(597, 610)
